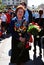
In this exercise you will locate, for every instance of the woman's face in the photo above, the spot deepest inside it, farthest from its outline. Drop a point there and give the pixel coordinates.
(20, 13)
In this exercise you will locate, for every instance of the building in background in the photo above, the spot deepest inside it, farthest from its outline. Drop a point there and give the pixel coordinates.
(26, 1)
(12, 2)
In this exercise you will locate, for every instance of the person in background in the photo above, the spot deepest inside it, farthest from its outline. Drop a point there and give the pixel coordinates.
(33, 14)
(19, 54)
(9, 11)
(40, 21)
(41, 24)
(41, 15)
(36, 14)
(28, 13)
(8, 14)
(4, 19)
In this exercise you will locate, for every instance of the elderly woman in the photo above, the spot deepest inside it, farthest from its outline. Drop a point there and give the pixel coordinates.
(18, 29)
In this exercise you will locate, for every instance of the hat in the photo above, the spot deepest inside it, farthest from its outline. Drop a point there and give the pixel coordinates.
(19, 7)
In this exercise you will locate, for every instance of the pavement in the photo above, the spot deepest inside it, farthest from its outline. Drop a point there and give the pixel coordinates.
(5, 54)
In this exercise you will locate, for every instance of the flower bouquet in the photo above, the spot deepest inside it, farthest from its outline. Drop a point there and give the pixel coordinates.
(34, 28)
(22, 33)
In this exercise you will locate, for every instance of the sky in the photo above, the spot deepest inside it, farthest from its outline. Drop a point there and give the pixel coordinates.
(35, 2)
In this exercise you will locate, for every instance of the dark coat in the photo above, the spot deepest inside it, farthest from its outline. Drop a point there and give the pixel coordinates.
(18, 54)
(30, 15)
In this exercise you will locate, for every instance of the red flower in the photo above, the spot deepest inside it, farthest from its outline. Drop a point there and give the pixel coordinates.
(27, 45)
(31, 40)
(0, 33)
(33, 23)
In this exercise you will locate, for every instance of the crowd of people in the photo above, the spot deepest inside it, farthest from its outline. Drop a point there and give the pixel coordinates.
(38, 17)
(16, 23)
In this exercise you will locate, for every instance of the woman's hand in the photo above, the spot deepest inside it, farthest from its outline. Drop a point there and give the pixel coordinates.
(22, 39)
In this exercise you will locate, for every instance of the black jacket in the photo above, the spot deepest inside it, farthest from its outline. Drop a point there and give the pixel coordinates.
(30, 15)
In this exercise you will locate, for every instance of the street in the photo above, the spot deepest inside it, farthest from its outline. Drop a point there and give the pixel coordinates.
(5, 54)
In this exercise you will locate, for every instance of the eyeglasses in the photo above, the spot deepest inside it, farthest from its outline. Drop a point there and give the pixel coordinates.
(20, 11)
